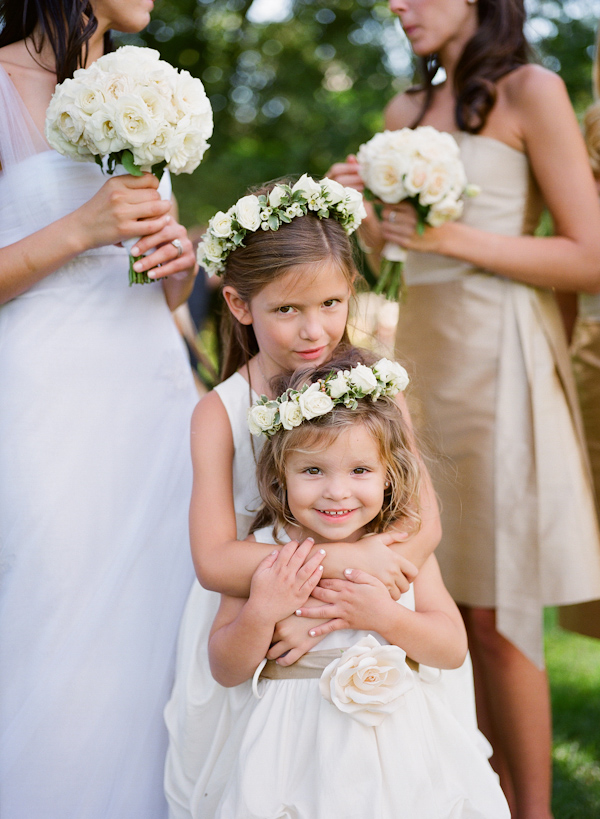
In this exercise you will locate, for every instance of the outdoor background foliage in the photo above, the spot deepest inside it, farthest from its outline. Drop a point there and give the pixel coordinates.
(296, 94)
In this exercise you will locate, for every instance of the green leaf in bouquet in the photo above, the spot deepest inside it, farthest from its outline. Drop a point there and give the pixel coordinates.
(274, 221)
(128, 163)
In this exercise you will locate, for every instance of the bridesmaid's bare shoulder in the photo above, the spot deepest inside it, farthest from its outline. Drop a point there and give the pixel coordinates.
(403, 110)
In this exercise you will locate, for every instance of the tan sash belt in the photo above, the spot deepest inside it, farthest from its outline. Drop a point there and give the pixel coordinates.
(309, 666)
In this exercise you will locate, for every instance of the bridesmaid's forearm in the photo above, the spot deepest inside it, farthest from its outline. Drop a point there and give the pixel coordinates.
(541, 261)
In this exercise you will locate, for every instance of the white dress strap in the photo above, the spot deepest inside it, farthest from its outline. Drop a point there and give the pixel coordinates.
(19, 137)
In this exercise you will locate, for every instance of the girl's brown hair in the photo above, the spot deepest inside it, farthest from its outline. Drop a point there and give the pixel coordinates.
(382, 418)
(591, 130)
(497, 48)
(266, 256)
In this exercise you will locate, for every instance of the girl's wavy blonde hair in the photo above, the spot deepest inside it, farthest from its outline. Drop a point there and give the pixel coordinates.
(382, 418)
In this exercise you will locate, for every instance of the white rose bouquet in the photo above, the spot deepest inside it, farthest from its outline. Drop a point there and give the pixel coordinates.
(131, 108)
(423, 167)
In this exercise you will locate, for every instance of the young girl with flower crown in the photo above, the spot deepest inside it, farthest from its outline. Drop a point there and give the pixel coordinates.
(287, 271)
(354, 728)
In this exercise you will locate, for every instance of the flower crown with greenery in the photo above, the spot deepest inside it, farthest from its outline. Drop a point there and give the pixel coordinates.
(267, 416)
(326, 199)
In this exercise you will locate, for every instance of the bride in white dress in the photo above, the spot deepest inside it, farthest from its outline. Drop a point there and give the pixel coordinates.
(95, 476)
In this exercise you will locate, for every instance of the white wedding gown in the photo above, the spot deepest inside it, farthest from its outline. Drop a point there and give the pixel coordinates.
(95, 476)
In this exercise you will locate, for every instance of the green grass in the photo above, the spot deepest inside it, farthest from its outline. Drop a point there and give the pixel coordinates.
(574, 671)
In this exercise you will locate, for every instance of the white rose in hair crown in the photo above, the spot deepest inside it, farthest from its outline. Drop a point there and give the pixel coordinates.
(133, 109)
(385, 378)
(423, 167)
(326, 199)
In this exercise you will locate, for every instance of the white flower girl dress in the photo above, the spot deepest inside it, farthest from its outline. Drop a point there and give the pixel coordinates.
(95, 476)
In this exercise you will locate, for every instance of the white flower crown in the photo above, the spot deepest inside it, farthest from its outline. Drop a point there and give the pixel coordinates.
(227, 231)
(267, 416)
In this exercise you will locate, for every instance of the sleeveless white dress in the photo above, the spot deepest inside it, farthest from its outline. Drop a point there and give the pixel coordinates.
(95, 476)
(203, 718)
(296, 755)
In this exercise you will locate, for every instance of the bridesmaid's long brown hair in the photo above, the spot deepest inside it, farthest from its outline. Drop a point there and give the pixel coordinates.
(497, 48)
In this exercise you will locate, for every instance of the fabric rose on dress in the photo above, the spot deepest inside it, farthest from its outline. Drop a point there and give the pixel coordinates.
(368, 681)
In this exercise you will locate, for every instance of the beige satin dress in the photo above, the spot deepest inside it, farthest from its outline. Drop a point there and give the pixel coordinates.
(495, 404)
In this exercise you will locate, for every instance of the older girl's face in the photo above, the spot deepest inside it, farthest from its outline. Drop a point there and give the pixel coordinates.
(122, 15)
(433, 25)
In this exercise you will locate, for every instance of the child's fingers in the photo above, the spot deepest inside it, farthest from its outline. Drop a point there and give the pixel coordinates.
(325, 612)
(332, 583)
(268, 561)
(300, 554)
(286, 552)
(358, 576)
(310, 565)
(311, 582)
(324, 595)
(328, 628)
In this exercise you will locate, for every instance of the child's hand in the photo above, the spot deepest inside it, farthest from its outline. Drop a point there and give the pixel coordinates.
(284, 580)
(361, 602)
(291, 639)
(393, 570)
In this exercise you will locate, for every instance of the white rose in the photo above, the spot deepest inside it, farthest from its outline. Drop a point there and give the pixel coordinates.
(363, 378)
(212, 248)
(276, 196)
(313, 402)
(385, 178)
(185, 151)
(434, 145)
(355, 205)
(438, 186)
(260, 418)
(116, 85)
(448, 210)
(307, 186)
(70, 124)
(416, 177)
(338, 386)
(89, 97)
(290, 414)
(221, 224)
(392, 373)
(154, 100)
(334, 191)
(190, 96)
(368, 681)
(133, 121)
(247, 211)
(102, 132)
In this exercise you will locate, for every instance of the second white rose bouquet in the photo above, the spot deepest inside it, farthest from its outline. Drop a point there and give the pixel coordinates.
(423, 167)
(133, 109)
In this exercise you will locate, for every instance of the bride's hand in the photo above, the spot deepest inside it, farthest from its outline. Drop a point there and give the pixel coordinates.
(124, 207)
(166, 259)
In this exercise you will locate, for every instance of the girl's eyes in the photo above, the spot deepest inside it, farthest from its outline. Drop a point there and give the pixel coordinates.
(312, 470)
(330, 302)
(286, 309)
(360, 470)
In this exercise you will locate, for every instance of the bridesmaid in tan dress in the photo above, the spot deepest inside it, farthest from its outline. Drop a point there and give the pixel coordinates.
(481, 328)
